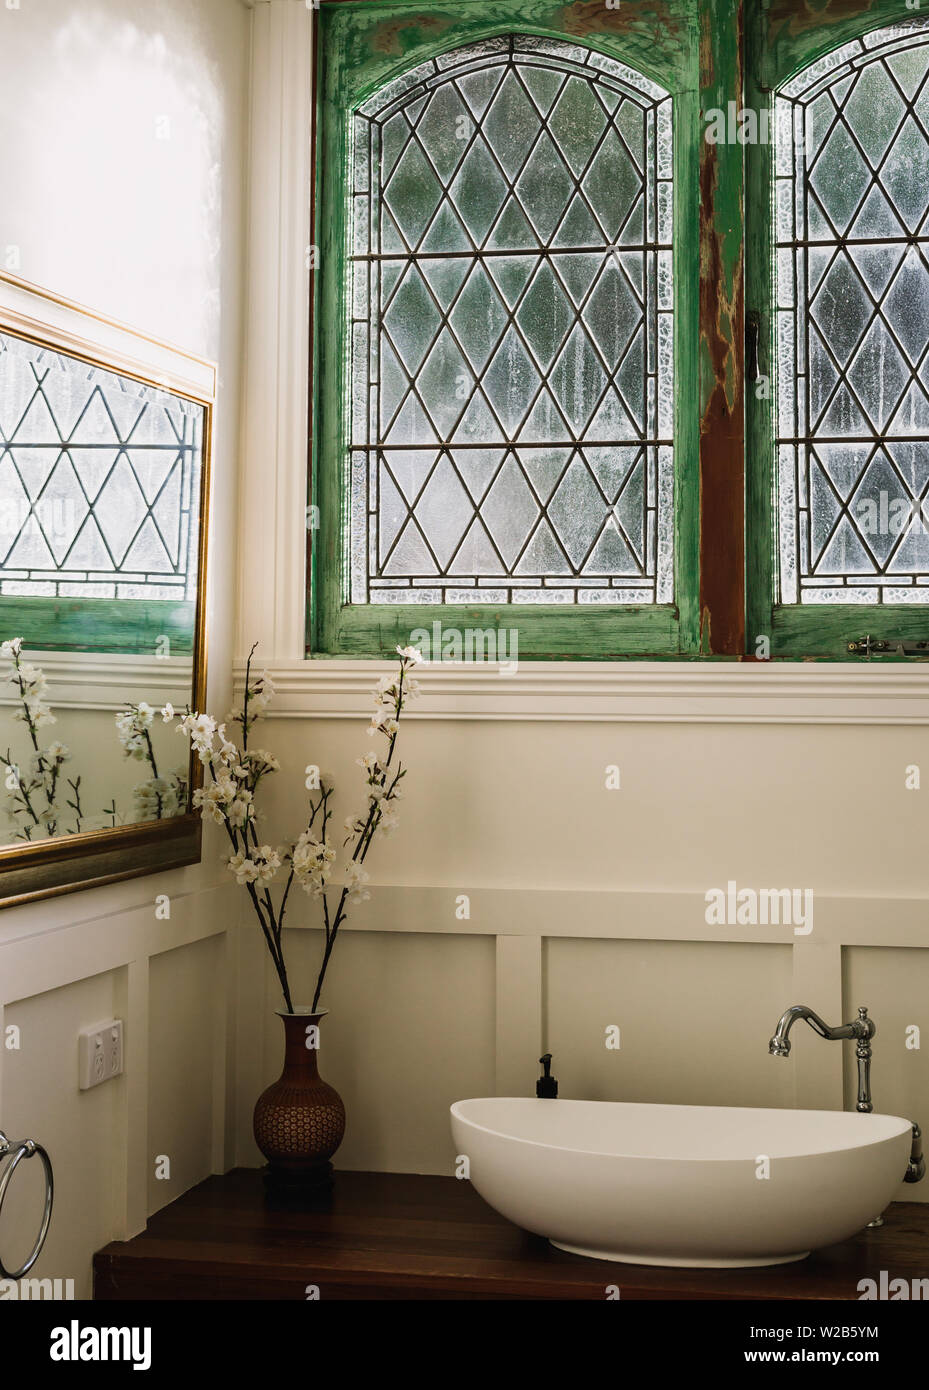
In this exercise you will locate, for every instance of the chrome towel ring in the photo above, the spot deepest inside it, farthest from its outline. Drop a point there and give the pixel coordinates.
(20, 1149)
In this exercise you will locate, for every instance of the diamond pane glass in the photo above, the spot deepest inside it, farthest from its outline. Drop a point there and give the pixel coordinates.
(512, 331)
(852, 270)
(99, 481)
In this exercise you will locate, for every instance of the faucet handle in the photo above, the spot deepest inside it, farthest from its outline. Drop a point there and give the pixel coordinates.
(868, 1025)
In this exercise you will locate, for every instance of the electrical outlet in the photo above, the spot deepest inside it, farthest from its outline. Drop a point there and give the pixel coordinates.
(100, 1053)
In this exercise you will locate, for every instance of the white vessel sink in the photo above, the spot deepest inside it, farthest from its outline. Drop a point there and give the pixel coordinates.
(678, 1184)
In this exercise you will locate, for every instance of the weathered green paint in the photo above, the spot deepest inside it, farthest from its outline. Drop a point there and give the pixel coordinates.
(127, 626)
(547, 633)
(722, 541)
(362, 46)
(781, 41)
(833, 626)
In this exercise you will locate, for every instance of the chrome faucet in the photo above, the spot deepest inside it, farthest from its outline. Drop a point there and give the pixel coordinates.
(862, 1030)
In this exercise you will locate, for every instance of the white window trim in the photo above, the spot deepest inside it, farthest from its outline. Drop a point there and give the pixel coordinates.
(272, 500)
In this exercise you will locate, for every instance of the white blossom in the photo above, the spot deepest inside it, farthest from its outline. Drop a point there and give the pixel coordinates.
(259, 761)
(268, 861)
(200, 729)
(241, 809)
(410, 656)
(228, 752)
(312, 859)
(41, 714)
(131, 730)
(160, 797)
(245, 869)
(261, 690)
(355, 879)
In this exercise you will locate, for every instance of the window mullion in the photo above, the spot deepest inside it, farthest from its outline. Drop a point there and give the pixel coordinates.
(721, 342)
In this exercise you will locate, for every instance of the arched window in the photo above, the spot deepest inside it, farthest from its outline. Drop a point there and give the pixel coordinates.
(512, 332)
(852, 300)
(622, 341)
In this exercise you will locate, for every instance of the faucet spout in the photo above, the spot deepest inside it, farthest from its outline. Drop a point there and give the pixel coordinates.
(779, 1046)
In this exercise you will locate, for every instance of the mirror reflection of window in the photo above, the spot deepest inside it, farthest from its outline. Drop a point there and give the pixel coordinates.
(99, 487)
(101, 477)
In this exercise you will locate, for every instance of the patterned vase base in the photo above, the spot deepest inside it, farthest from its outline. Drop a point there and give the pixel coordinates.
(310, 1181)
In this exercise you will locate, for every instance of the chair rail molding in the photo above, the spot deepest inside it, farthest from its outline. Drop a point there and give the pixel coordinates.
(623, 691)
(273, 490)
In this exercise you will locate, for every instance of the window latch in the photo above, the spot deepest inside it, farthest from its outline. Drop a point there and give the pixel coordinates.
(887, 646)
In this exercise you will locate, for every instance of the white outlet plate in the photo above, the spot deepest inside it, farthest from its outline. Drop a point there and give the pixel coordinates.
(100, 1053)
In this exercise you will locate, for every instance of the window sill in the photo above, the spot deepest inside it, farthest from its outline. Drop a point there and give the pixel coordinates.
(615, 692)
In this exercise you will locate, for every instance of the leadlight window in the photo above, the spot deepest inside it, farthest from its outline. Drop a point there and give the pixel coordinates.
(99, 481)
(512, 332)
(485, 430)
(852, 195)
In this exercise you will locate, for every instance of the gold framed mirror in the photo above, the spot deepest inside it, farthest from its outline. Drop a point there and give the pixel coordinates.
(105, 439)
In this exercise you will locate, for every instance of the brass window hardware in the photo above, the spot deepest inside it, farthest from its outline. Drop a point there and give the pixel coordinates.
(888, 646)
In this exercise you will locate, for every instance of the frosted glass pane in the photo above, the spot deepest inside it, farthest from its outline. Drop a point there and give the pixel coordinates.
(545, 315)
(479, 316)
(99, 477)
(512, 124)
(853, 385)
(512, 308)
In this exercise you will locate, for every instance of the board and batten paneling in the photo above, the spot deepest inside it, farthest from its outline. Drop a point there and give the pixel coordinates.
(167, 980)
(677, 1030)
(893, 984)
(188, 993)
(410, 1030)
(83, 1131)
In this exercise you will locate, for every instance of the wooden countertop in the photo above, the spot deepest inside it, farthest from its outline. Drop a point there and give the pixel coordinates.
(407, 1236)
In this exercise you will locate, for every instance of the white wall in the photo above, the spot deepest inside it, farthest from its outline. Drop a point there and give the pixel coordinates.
(123, 157)
(587, 909)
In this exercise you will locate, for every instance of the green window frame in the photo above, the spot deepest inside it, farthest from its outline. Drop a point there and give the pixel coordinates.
(709, 55)
(362, 47)
(780, 46)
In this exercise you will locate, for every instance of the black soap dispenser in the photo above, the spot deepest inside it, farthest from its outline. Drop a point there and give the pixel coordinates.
(546, 1087)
